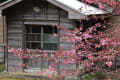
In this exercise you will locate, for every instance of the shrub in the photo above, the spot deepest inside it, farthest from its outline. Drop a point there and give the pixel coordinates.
(96, 76)
(2, 67)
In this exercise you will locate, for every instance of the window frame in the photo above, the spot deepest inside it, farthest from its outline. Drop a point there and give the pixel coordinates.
(42, 37)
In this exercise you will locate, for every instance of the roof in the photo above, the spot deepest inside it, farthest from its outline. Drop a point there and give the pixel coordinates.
(1, 1)
(8, 3)
(79, 10)
(75, 8)
(81, 7)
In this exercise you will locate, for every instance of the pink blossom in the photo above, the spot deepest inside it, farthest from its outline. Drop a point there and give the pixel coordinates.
(101, 6)
(109, 64)
(45, 55)
(21, 66)
(51, 69)
(51, 77)
(55, 35)
(42, 73)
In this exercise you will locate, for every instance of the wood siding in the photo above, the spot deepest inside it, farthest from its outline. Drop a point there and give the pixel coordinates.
(114, 20)
(20, 15)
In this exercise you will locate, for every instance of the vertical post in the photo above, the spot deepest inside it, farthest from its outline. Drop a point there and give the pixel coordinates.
(1, 28)
(3, 38)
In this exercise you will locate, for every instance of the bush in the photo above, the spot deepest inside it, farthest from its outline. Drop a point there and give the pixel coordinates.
(2, 67)
(96, 76)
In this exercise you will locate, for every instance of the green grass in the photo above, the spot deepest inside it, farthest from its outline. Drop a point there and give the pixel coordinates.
(14, 79)
(15, 76)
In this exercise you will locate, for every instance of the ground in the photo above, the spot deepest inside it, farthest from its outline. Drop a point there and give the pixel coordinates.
(20, 76)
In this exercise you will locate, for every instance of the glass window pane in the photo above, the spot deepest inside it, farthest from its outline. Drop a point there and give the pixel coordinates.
(33, 37)
(50, 46)
(35, 45)
(50, 38)
(55, 30)
(28, 45)
(29, 37)
(27, 30)
(49, 29)
(36, 29)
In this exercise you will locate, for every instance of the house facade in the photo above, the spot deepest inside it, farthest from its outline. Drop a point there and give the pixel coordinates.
(26, 24)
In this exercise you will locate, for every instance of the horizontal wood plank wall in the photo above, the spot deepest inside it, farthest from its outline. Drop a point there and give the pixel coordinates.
(114, 20)
(22, 14)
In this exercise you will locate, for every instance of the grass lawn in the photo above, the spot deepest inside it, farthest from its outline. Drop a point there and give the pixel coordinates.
(16, 76)
(11, 78)
(14, 79)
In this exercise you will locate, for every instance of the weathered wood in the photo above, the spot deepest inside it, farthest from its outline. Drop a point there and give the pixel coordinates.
(114, 20)
(20, 15)
(1, 29)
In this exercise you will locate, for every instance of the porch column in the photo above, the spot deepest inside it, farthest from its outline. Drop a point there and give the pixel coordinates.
(2, 38)
(2, 29)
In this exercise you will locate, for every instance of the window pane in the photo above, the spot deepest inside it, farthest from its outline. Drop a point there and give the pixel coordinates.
(27, 30)
(33, 37)
(50, 38)
(35, 45)
(50, 46)
(36, 29)
(28, 45)
(50, 30)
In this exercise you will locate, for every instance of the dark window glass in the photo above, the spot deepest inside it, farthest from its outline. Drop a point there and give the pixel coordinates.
(35, 45)
(28, 45)
(36, 30)
(50, 30)
(50, 46)
(33, 37)
(27, 30)
(50, 38)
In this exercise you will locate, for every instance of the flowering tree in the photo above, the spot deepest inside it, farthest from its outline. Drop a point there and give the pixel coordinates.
(96, 47)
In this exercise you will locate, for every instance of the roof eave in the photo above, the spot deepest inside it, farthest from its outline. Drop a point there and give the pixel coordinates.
(9, 4)
(75, 14)
(4, 3)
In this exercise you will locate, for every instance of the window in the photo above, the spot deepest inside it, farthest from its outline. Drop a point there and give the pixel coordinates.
(41, 37)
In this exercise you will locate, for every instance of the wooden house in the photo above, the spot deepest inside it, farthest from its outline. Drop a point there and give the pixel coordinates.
(26, 24)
